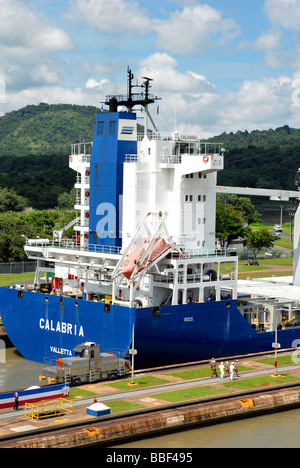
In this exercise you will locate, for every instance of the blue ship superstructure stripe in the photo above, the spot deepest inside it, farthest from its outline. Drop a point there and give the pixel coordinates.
(114, 137)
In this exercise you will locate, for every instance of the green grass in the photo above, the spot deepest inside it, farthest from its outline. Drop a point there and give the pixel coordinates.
(244, 267)
(281, 360)
(200, 373)
(143, 382)
(285, 243)
(121, 406)
(259, 382)
(192, 373)
(284, 261)
(190, 393)
(80, 392)
(6, 280)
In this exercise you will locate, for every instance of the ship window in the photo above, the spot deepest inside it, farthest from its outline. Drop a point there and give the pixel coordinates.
(112, 128)
(191, 197)
(100, 127)
(155, 310)
(199, 197)
(204, 197)
(200, 175)
(186, 198)
(106, 307)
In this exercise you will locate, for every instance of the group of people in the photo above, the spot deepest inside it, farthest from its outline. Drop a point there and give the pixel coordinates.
(226, 370)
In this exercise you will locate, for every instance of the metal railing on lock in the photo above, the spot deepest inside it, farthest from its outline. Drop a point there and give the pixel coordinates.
(49, 408)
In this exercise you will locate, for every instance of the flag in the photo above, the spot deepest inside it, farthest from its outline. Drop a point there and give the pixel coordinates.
(157, 110)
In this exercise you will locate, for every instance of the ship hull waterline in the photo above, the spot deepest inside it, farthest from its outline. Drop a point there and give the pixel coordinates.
(40, 326)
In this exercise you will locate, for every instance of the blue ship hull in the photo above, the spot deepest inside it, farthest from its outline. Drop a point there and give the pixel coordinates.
(41, 326)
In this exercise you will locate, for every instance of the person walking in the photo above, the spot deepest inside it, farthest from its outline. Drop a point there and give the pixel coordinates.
(227, 369)
(236, 369)
(222, 369)
(214, 372)
(16, 396)
(231, 371)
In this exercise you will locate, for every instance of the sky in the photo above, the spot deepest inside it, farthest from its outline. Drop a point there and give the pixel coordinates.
(217, 65)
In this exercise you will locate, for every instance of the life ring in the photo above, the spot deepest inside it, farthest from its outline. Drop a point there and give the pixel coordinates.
(87, 215)
(70, 158)
(205, 159)
(87, 173)
(183, 254)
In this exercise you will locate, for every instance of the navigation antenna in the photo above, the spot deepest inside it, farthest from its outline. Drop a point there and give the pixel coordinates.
(132, 99)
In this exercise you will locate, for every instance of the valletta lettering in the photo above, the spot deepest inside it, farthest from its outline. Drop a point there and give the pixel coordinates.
(61, 327)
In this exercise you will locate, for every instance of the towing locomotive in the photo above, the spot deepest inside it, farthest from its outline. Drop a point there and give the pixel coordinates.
(87, 365)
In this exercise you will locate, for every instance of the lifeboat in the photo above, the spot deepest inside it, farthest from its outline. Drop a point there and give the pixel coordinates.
(134, 258)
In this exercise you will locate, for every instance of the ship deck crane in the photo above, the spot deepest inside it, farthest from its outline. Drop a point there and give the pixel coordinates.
(57, 234)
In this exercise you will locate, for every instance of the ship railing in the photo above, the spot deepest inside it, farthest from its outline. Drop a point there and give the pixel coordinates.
(135, 97)
(82, 149)
(182, 253)
(82, 180)
(133, 158)
(72, 244)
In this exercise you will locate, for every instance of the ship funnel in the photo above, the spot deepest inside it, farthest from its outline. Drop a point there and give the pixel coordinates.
(113, 104)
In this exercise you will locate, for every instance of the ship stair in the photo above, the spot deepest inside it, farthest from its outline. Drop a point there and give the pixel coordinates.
(67, 376)
(167, 297)
(93, 375)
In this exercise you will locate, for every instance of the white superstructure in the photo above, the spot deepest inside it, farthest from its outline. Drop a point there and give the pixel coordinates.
(176, 174)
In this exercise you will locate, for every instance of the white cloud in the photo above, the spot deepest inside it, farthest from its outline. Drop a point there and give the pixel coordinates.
(197, 107)
(268, 41)
(22, 28)
(93, 84)
(113, 16)
(284, 13)
(28, 44)
(164, 70)
(195, 29)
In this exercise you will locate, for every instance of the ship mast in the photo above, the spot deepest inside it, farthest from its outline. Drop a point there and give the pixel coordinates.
(132, 99)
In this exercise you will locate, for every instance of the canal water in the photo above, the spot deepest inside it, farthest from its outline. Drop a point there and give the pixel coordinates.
(16, 372)
(279, 430)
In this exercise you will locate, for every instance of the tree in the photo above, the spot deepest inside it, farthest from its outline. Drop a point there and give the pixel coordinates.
(10, 201)
(67, 200)
(12, 230)
(230, 224)
(246, 207)
(257, 240)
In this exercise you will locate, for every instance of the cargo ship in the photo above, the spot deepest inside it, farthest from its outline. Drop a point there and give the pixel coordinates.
(141, 261)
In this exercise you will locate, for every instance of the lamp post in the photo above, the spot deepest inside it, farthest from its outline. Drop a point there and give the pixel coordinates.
(292, 211)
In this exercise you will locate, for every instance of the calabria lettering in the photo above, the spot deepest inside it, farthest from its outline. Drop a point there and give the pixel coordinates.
(61, 327)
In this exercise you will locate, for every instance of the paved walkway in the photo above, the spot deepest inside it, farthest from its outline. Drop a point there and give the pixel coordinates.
(12, 421)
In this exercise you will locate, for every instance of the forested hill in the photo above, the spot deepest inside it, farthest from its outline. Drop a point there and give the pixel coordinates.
(262, 158)
(35, 144)
(45, 129)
